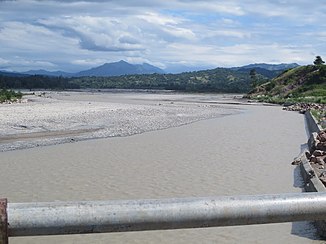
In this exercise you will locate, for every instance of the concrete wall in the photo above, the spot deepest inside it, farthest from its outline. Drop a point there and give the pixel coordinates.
(311, 123)
(311, 181)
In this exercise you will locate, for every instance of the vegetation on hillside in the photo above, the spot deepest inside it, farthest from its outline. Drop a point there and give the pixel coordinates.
(216, 80)
(221, 80)
(320, 116)
(300, 84)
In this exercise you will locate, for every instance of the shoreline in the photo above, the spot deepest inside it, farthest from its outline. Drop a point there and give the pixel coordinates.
(52, 118)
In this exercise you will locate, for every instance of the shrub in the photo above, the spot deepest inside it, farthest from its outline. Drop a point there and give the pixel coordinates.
(9, 95)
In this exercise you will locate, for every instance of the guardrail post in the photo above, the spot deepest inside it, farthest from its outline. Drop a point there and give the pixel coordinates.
(3, 222)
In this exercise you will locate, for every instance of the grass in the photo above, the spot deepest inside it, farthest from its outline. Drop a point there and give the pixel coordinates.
(319, 115)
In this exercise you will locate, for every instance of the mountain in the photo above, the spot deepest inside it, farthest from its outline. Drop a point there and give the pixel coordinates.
(224, 80)
(180, 68)
(146, 68)
(271, 67)
(11, 74)
(48, 73)
(267, 70)
(120, 68)
(108, 69)
(125, 68)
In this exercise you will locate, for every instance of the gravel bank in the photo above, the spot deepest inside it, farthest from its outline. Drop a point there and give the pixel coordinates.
(55, 118)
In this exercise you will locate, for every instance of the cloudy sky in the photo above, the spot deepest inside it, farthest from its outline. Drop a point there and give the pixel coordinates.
(75, 35)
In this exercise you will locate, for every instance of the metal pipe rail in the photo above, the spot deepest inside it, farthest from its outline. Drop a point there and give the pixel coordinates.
(57, 218)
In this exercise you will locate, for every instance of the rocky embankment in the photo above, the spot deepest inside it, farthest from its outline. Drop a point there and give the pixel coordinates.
(319, 110)
(317, 154)
(303, 107)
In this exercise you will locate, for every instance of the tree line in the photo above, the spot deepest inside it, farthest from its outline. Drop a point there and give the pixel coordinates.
(36, 82)
(216, 80)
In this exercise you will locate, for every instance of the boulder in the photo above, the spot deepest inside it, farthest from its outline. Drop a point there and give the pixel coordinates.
(321, 146)
(318, 153)
(313, 159)
(319, 161)
(322, 136)
(296, 161)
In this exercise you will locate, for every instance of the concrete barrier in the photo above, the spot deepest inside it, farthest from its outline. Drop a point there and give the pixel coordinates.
(312, 124)
(311, 180)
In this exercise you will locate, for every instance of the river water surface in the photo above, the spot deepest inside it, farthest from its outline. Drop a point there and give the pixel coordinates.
(244, 153)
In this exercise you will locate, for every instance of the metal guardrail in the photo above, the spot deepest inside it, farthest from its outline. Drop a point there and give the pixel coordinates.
(57, 218)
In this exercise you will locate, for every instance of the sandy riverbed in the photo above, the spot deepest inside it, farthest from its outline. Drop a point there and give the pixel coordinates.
(61, 117)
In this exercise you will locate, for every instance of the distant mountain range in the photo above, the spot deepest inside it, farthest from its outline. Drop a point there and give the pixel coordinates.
(105, 70)
(48, 73)
(271, 67)
(12, 74)
(268, 70)
(121, 68)
(125, 68)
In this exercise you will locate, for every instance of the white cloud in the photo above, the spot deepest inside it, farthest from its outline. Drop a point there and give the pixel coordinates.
(229, 33)
(22, 64)
(3, 61)
(27, 37)
(74, 35)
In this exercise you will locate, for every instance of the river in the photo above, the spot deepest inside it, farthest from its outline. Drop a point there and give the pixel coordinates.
(243, 153)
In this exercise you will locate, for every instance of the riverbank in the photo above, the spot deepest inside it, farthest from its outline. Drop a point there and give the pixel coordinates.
(49, 118)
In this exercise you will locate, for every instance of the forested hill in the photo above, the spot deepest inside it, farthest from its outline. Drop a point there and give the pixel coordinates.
(223, 80)
(215, 80)
(300, 82)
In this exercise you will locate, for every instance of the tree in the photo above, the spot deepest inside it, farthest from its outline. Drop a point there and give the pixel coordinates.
(254, 78)
(319, 61)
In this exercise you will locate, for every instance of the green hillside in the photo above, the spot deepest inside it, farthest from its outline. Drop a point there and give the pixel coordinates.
(215, 80)
(302, 84)
(221, 80)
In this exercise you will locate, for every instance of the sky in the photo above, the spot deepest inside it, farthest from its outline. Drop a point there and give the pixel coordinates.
(175, 35)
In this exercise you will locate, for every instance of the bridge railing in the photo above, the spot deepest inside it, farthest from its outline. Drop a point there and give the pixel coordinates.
(58, 218)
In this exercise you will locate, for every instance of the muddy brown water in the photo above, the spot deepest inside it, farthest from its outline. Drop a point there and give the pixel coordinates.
(246, 153)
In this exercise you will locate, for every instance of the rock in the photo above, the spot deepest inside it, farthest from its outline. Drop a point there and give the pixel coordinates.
(313, 159)
(321, 146)
(296, 161)
(318, 153)
(308, 155)
(303, 107)
(322, 136)
(311, 173)
(319, 161)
